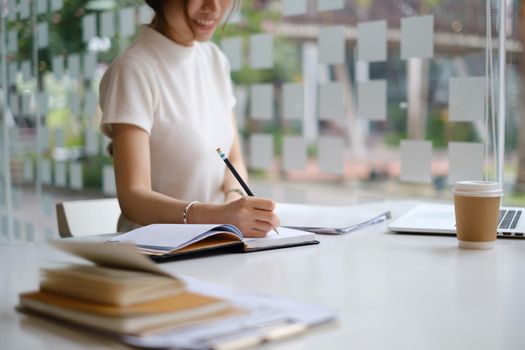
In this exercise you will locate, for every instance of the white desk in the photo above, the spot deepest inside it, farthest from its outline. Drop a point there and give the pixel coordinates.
(391, 291)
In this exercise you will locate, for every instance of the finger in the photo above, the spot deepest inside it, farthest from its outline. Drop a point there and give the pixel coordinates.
(268, 216)
(262, 226)
(254, 233)
(264, 204)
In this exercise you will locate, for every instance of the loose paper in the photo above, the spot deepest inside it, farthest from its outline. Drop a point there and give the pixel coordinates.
(294, 153)
(261, 51)
(107, 24)
(329, 5)
(293, 101)
(75, 176)
(371, 41)
(416, 161)
(331, 155)
(108, 180)
(331, 101)
(294, 7)
(466, 99)
(417, 37)
(371, 100)
(127, 22)
(466, 161)
(232, 47)
(89, 23)
(261, 102)
(261, 151)
(332, 45)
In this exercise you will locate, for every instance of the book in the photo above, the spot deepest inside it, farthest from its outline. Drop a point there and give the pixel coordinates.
(168, 240)
(122, 292)
(334, 220)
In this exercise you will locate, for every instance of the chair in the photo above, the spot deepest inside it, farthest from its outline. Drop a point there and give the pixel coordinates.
(87, 217)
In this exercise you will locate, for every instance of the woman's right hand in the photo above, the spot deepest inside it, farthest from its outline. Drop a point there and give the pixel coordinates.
(255, 217)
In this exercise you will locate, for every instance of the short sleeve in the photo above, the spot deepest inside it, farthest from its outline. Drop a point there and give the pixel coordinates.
(127, 95)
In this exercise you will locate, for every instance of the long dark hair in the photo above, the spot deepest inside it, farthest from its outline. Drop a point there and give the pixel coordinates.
(159, 20)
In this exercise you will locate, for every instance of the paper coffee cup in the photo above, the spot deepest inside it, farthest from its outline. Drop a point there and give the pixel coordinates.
(476, 206)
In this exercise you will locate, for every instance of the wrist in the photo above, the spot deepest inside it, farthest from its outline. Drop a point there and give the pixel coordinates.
(204, 213)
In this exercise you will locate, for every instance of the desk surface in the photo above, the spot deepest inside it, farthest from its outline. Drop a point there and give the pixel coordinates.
(391, 291)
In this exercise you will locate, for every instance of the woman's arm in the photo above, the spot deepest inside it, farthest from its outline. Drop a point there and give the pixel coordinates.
(140, 204)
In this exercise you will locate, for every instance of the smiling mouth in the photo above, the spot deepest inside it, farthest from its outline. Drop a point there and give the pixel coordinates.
(205, 24)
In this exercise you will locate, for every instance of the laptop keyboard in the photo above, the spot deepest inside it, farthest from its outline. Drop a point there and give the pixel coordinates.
(508, 220)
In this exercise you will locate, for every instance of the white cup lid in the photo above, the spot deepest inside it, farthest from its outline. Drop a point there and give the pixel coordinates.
(478, 189)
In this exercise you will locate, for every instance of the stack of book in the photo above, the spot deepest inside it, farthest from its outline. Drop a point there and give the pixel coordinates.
(122, 301)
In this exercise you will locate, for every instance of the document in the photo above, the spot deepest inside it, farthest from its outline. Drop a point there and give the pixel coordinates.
(334, 220)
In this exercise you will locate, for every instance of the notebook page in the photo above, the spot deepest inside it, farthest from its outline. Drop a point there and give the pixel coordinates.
(172, 236)
(286, 236)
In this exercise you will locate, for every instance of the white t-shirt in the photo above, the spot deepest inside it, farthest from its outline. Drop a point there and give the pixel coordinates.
(182, 96)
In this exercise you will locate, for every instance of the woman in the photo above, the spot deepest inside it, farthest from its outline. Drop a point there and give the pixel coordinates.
(167, 105)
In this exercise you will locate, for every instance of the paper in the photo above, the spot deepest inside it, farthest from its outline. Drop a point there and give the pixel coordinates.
(73, 66)
(261, 102)
(90, 104)
(331, 101)
(371, 41)
(371, 100)
(60, 139)
(293, 101)
(28, 170)
(331, 155)
(91, 142)
(416, 161)
(145, 14)
(294, 7)
(43, 34)
(58, 67)
(466, 99)
(108, 180)
(45, 172)
(14, 104)
(24, 9)
(261, 51)
(41, 7)
(466, 162)
(329, 219)
(75, 176)
(329, 5)
(12, 72)
(56, 5)
(294, 153)
(127, 22)
(12, 41)
(25, 67)
(107, 24)
(417, 37)
(90, 62)
(60, 174)
(89, 23)
(232, 48)
(332, 45)
(261, 151)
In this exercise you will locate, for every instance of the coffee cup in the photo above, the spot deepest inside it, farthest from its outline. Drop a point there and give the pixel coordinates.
(476, 206)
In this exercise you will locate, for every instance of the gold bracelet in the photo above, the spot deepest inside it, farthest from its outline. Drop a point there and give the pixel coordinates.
(186, 210)
(238, 190)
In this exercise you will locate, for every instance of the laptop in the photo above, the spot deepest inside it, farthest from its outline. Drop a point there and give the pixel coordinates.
(440, 219)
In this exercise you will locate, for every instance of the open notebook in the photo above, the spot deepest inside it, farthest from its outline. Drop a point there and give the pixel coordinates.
(167, 240)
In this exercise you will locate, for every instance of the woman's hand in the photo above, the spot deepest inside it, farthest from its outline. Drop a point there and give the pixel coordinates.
(254, 216)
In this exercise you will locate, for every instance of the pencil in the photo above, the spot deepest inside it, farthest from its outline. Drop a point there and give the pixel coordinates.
(237, 176)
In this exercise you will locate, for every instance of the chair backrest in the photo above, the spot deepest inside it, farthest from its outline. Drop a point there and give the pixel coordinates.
(87, 217)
